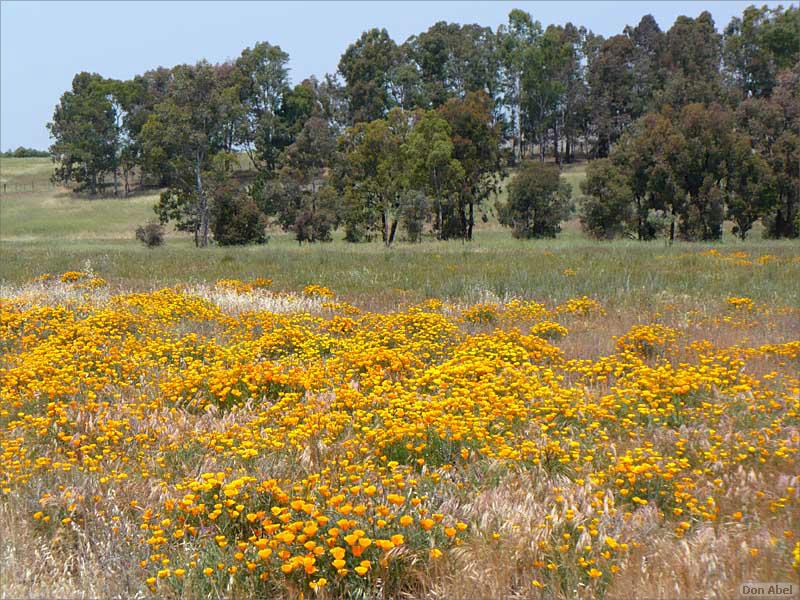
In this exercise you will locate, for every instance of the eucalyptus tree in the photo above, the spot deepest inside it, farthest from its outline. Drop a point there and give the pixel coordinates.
(187, 131)
(85, 132)
(263, 85)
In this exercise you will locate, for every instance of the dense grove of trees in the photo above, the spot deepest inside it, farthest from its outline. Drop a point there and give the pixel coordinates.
(23, 152)
(683, 129)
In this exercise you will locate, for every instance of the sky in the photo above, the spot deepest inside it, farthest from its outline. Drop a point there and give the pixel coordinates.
(44, 44)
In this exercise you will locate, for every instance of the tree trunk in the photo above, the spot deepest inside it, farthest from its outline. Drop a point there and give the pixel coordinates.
(672, 227)
(542, 144)
(518, 120)
(639, 225)
(471, 222)
(392, 232)
(203, 203)
(384, 233)
(603, 145)
(556, 154)
(462, 216)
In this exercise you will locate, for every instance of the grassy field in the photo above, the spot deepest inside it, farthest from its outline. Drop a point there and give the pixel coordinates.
(495, 265)
(52, 213)
(54, 232)
(24, 171)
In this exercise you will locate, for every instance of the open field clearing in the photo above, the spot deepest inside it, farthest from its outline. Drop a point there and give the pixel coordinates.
(54, 213)
(228, 440)
(24, 171)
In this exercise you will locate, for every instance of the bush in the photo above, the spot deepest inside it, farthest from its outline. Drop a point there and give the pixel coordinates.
(313, 227)
(354, 232)
(776, 225)
(151, 234)
(236, 220)
(607, 208)
(538, 201)
(703, 216)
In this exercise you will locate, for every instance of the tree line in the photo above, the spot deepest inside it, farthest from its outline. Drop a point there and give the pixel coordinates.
(23, 152)
(684, 128)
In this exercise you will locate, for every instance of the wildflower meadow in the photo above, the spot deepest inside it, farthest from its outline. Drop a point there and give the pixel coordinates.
(230, 440)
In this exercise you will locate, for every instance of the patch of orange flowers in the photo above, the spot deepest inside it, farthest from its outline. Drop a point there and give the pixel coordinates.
(301, 451)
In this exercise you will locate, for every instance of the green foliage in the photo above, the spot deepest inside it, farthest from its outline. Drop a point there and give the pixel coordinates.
(513, 40)
(697, 157)
(611, 81)
(281, 198)
(299, 197)
(774, 128)
(649, 46)
(538, 201)
(454, 59)
(372, 176)
(367, 66)
(299, 104)
(750, 186)
(263, 78)
(187, 131)
(313, 226)
(22, 152)
(692, 58)
(84, 130)
(236, 219)
(307, 159)
(637, 155)
(432, 168)
(476, 140)
(759, 45)
(414, 211)
(607, 206)
(551, 66)
(435, 121)
(181, 208)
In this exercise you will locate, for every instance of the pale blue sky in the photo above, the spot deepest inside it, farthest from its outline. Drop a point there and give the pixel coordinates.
(43, 44)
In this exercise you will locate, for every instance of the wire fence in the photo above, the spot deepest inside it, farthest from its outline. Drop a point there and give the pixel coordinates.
(31, 187)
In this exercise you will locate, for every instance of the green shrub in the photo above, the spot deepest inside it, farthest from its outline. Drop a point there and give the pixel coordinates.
(607, 207)
(538, 201)
(236, 220)
(151, 234)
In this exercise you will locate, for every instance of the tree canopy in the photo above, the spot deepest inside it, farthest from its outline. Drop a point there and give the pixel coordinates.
(697, 125)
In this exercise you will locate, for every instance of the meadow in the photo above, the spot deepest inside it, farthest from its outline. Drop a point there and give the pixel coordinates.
(54, 232)
(560, 418)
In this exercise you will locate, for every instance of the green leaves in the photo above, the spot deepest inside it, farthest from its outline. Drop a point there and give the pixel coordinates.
(366, 67)
(261, 80)
(538, 201)
(85, 134)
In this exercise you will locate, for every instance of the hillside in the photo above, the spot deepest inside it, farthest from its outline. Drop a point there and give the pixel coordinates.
(32, 208)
